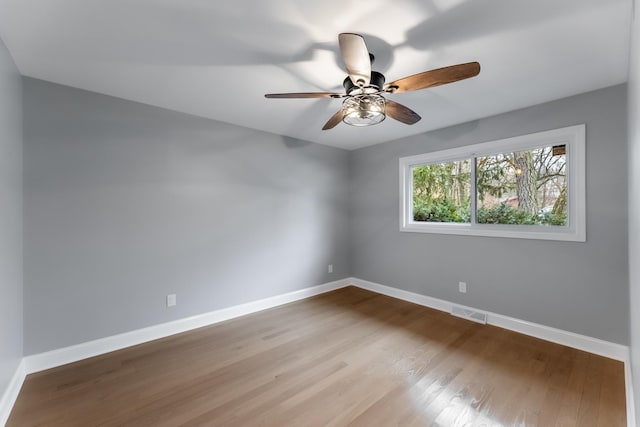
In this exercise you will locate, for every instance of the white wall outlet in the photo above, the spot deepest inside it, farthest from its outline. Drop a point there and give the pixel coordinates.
(462, 287)
(171, 300)
(330, 268)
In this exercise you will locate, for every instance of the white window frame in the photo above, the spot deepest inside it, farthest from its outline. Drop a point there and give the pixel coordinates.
(575, 230)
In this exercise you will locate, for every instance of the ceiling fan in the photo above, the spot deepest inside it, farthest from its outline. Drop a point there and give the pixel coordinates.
(364, 103)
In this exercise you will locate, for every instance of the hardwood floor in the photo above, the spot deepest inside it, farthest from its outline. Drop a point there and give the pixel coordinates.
(348, 357)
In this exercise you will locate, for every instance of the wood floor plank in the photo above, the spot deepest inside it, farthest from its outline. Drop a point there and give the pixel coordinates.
(609, 413)
(344, 358)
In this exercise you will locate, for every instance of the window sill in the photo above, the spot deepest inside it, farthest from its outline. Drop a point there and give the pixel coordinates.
(535, 232)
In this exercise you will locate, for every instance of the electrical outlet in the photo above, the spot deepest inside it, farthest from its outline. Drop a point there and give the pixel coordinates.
(171, 300)
(330, 268)
(462, 287)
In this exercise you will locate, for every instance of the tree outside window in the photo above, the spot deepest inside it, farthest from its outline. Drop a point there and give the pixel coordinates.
(523, 187)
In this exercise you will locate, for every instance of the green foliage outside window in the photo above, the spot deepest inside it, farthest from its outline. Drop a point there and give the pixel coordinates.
(441, 192)
(440, 211)
(521, 188)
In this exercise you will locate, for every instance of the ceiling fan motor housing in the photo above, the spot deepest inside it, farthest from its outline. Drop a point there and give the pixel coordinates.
(376, 82)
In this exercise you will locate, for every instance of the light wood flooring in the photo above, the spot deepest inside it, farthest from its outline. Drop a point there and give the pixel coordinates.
(345, 358)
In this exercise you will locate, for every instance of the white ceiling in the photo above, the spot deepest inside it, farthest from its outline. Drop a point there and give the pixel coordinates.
(217, 59)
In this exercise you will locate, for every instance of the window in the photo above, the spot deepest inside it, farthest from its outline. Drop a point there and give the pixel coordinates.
(530, 186)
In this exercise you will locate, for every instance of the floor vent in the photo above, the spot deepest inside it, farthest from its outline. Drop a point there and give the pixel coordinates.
(469, 314)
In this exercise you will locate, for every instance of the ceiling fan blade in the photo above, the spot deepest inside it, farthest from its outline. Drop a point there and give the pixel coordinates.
(437, 77)
(356, 58)
(334, 120)
(401, 113)
(305, 95)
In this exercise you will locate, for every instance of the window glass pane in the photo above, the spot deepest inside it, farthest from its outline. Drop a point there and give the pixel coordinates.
(441, 192)
(523, 187)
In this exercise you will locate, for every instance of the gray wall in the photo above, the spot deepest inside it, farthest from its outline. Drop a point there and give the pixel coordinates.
(634, 205)
(10, 218)
(579, 287)
(126, 203)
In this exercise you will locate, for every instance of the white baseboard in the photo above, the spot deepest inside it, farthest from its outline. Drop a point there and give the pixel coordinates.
(628, 381)
(51, 359)
(559, 336)
(62, 356)
(11, 393)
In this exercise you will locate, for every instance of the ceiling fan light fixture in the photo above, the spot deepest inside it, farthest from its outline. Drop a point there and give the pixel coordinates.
(363, 110)
(363, 103)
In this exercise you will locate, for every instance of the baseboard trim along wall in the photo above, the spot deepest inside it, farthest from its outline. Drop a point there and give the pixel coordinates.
(10, 395)
(628, 381)
(50, 359)
(62, 356)
(558, 336)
